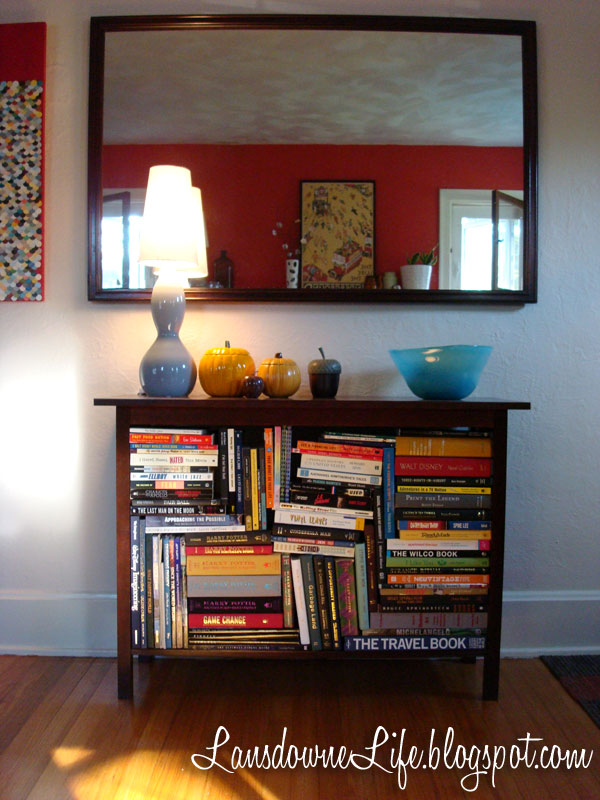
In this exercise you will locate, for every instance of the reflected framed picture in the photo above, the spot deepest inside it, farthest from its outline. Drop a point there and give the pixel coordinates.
(337, 234)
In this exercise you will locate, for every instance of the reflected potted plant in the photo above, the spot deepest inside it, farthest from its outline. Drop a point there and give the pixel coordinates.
(416, 273)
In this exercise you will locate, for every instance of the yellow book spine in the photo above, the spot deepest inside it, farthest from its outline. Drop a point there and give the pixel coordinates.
(433, 535)
(443, 446)
(234, 565)
(446, 489)
(254, 487)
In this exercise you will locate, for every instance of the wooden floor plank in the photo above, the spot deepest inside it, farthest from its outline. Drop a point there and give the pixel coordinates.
(73, 740)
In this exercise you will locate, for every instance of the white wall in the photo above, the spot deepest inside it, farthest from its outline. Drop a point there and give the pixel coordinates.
(57, 568)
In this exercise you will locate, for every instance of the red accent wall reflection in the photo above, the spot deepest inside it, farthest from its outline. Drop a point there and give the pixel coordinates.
(248, 189)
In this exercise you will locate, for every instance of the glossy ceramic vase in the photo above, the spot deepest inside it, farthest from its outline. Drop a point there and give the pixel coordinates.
(167, 369)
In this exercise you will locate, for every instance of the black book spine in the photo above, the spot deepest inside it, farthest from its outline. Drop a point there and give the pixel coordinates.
(321, 582)
(312, 608)
(334, 609)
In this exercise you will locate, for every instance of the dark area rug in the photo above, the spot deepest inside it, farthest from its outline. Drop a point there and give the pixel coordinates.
(580, 676)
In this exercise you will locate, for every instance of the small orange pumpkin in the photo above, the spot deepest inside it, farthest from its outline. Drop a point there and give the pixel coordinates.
(222, 370)
(281, 376)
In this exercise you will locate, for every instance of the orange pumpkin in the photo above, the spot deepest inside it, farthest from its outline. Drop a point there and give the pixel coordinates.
(281, 376)
(222, 370)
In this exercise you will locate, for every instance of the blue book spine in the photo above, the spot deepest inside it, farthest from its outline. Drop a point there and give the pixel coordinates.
(473, 525)
(142, 582)
(167, 593)
(388, 492)
(135, 581)
(239, 483)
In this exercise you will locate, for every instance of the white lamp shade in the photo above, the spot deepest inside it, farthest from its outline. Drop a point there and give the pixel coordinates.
(169, 234)
(201, 269)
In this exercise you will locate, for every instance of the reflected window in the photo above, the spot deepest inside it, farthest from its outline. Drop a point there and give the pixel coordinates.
(481, 241)
(121, 227)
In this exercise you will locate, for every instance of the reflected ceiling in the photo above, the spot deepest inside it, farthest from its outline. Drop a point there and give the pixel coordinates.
(312, 87)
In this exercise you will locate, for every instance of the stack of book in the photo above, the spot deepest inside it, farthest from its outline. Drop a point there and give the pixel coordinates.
(171, 479)
(324, 529)
(436, 576)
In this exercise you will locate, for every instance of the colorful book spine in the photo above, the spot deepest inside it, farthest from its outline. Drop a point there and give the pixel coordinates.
(167, 594)
(254, 489)
(442, 536)
(300, 601)
(300, 548)
(322, 602)
(230, 550)
(235, 605)
(312, 607)
(234, 586)
(235, 620)
(362, 586)
(447, 467)
(441, 548)
(409, 499)
(136, 636)
(283, 530)
(335, 463)
(318, 519)
(208, 538)
(452, 563)
(327, 476)
(332, 596)
(445, 446)
(269, 466)
(346, 591)
(239, 486)
(287, 591)
(437, 644)
(276, 466)
(441, 619)
(234, 565)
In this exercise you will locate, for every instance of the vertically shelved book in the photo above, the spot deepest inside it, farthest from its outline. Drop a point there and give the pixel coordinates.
(346, 528)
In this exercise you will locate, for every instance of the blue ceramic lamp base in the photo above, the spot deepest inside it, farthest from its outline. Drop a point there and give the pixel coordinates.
(167, 369)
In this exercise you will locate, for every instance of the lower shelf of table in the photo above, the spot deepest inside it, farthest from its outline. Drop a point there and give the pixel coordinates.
(310, 654)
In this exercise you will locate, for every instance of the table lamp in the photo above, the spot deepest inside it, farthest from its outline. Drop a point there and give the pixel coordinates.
(173, 243)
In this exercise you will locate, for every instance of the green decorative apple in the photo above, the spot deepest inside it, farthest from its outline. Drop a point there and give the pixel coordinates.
(324, 376)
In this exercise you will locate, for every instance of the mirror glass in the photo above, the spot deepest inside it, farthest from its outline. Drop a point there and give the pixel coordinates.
(326, 157)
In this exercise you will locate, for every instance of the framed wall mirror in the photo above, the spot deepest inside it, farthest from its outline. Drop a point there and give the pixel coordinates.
(380, 117)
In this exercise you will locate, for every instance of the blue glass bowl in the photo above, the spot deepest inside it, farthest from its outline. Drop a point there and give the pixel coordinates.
(442, 373)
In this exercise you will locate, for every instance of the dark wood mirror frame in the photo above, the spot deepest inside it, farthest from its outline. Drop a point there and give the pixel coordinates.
(526, 30)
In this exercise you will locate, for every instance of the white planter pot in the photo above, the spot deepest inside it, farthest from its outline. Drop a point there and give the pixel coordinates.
(415, 276)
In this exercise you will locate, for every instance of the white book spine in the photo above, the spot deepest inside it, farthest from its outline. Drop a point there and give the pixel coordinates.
(339, 477)
(315, 549)
(316, 519)
(169, 460)
(341, 464)
(357, 513)
(301, 612)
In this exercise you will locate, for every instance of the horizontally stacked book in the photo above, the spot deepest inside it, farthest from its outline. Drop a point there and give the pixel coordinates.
(435, 578)
(270, 539)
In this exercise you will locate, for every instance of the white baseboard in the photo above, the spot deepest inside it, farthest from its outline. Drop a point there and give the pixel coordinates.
(84, 624)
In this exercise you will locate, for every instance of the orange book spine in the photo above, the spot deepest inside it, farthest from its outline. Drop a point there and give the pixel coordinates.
(269, 466)
(234, 565)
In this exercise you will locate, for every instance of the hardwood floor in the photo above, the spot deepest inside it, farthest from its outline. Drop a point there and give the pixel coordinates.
(65, 736)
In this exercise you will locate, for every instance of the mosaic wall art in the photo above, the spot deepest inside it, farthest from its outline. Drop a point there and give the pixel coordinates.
(21, 161)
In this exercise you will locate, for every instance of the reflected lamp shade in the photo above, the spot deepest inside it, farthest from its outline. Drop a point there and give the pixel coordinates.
(172, 243)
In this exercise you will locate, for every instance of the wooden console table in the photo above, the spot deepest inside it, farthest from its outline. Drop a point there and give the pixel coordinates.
(363, 413)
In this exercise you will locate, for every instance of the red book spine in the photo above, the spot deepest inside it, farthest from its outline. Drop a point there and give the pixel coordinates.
(235, 620)
(438, 465)
(230, 549)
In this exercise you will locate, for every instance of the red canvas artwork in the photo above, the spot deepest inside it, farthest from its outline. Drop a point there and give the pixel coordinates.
(22, 84)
